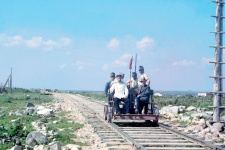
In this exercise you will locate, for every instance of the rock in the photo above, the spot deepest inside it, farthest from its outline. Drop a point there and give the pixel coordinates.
(31, 142)
(201, 115)
(191, 108)
(217, 127)
(11, 114)
(16, 120)
(55, 122)
(202, 123)
(182, 109)
(16, 148)
(40, 107)
(72, 122)
(165, 109)
(58, 107)
(1, 116)
(39, 147)
(186, 118)
(45, 112)
(174, 109)
(73, 147)
(56, 146)
(44, 120)
(17, 141)
(37, 136)
(209, 112)
(30, 105)
(28, 147)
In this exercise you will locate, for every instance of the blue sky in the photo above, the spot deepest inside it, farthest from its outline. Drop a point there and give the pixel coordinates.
(74, 45)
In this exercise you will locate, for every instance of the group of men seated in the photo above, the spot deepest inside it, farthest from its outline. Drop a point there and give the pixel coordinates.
(139, 91)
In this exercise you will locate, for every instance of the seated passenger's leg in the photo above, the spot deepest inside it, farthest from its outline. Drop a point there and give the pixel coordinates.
(109, 99)
(137, 105)
(146, 108)
(141, 105)
(116, 101)
(126, 101)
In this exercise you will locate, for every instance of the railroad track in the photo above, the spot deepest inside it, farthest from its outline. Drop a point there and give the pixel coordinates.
(136, 135)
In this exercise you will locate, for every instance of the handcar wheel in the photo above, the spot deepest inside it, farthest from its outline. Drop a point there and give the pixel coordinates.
(110, 114)
(106, 112)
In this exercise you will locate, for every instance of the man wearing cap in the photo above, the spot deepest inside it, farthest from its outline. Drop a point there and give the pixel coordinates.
(121, 94)
(132, 84)
(143, 97)
(108, 85)
(143, 75)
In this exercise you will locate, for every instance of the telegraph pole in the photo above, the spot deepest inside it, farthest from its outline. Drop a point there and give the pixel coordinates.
(218, 61)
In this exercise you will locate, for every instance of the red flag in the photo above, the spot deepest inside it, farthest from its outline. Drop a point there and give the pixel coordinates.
(130, 65)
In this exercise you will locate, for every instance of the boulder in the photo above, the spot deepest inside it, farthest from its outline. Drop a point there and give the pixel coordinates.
(200, 115)
(45, 112)
(217, 127)
(191, 108)
(165, 108)
(31, 142)
(209, 112)
(16, 148)
(182, 109)
(30, 105)
(40, 107)
(174, 109)
(37, 136)
(73, 147)
(55, 146)
(39, 147)
(202, 123)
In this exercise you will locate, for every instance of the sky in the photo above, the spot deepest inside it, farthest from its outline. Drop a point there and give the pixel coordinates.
(75, 45)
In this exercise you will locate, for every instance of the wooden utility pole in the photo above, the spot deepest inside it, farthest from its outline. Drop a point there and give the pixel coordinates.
(11, 81)
(218, 61)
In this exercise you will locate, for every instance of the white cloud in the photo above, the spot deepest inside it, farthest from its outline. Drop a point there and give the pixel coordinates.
(82, 64)
(62, 66)
(183, 63)
(34, 42)
(105, 66)
(145, 44)
(65, 41)
(114, 43)
(205, 60)
(120, 63)
(126, 56)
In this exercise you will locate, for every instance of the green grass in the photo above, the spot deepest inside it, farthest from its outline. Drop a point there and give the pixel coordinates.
(17, 101)
(63, 123)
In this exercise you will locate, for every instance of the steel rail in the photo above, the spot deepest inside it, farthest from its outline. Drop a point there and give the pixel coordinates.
(191, 138)
(114, 126)
(180, 134)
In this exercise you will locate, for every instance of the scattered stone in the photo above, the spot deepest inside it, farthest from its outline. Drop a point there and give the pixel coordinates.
(28, 147)
(39, 147)
(16, 148)
(55, 146)
(45, 112)
(209, 113)
(16, 120)
(11, 114)
(30, 105)
(1, 116)
(37, 136)
(44, 120)
(55, 122)
(202, 123)
(31, 142)
(182, 109)
(201, 115)
(72, 122)
(73, 147)
(217, 127)
(17, 141)
(191, 108)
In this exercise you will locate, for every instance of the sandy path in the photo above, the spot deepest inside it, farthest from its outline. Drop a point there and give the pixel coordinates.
(85, 134)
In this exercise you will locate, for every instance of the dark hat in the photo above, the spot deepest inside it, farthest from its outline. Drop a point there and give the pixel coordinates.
(134, 74)
(112, 74)
(141, 68)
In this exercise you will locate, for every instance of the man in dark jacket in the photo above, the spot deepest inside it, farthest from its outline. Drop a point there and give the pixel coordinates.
(143, 97)
(108, 85)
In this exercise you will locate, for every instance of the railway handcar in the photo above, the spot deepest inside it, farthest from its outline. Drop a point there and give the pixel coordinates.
(152, 114)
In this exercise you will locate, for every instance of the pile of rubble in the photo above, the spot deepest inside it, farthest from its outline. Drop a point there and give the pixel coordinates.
(195, 121)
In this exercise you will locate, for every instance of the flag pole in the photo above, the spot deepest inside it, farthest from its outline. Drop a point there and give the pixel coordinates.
(135, 62)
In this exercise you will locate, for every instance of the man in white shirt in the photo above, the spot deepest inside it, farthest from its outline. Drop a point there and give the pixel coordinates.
(121, 94)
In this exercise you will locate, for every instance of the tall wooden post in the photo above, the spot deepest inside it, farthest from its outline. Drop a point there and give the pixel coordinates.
(11, 81)
(218, 85)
